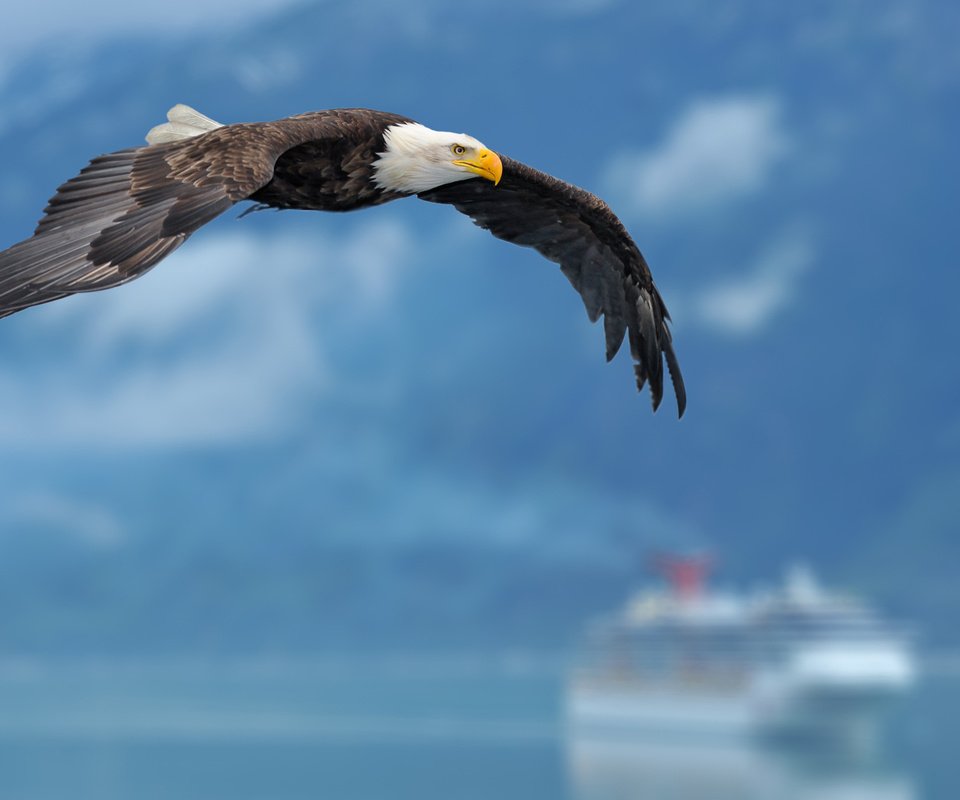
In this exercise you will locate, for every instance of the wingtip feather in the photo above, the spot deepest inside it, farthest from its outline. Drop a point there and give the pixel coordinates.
(676, 377)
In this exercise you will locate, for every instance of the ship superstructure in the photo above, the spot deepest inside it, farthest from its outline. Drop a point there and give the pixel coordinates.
(795, 661)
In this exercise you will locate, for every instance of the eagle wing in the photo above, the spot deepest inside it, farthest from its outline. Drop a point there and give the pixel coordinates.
(127, 210)
(578, 231)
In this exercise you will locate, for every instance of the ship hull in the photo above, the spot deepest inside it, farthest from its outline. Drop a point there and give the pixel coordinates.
(631, 710)
(808, 716)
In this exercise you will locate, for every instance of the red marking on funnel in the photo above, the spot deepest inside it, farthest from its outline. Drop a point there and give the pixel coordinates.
(687, 575)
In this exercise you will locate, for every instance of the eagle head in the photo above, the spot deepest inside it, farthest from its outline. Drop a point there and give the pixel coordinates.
(416, 158)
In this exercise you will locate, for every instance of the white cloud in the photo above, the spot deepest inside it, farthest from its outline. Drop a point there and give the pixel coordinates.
(720, 149)
(88, 522)
(262, 72)
(243, 272)
(68, 23)
(219, 344)
(744, 304)
(455, 505)
(579, 7)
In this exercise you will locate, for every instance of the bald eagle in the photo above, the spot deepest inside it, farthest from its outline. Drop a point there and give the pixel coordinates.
(127, 210)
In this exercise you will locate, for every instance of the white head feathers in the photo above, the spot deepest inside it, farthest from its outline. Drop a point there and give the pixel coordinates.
(417, 158)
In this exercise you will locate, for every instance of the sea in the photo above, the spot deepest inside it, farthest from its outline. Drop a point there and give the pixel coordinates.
(408, 727)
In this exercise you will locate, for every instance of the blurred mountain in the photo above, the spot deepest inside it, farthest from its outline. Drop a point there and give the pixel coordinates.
(388, 427)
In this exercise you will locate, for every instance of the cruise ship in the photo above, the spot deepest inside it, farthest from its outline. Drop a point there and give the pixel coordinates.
(794, 662)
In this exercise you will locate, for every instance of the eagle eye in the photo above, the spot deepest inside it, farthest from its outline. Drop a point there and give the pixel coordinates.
(458, 149)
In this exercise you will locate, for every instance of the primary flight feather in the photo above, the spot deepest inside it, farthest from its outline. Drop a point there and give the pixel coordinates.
(127, 210)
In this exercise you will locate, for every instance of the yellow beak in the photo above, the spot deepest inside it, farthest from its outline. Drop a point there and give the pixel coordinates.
(486, 164)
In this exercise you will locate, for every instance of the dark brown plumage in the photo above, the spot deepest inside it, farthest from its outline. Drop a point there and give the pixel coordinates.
(127, 210)
(578, 231)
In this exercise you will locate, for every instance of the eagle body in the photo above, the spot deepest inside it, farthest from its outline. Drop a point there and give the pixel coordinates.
(333, 169)
(127, 210)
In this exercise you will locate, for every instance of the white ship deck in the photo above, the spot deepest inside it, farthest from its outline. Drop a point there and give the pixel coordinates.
(796, 663)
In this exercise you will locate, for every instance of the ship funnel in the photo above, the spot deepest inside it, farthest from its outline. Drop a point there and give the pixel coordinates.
(687, 575)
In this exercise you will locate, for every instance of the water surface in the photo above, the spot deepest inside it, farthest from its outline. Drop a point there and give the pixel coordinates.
(411, 727)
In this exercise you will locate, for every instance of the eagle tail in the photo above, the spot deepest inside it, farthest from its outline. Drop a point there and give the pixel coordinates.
(183, 122)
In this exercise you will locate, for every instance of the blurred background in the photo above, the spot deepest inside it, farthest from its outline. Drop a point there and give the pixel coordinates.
(323, 505)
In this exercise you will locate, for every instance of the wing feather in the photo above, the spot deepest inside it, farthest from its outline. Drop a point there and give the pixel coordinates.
(579, 232)
(127, 210)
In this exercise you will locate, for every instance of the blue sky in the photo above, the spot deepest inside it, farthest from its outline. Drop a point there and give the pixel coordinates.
(245, 382)
(60, 23)
(398, 376)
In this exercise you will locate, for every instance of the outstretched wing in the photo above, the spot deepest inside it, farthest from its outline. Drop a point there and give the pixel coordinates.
(127, 210)
(579, 232)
